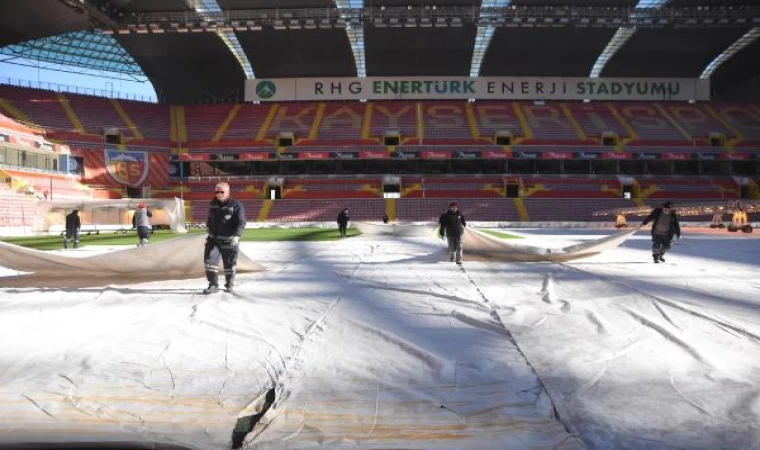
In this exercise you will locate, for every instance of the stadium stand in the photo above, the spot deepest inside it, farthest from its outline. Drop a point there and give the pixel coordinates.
(669, 188)
(57, 185)
(651, 127)
(697, 122)
(576, 210)
(474, 209)
(492, 117)
(396, 116)
(313, 210)
(452, 187)
(293, 117)
(447, 123)
(744, 118)
(16, 208)
(331, 188)
(94, 113)
(597, 118)
(564, 187)
(548, 123)
(203, 122)
(152, 120)
(36, 107)
(246, 124)
(339, 123)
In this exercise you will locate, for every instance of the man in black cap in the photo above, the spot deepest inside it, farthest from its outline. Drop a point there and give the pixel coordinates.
(451, 224)
(225, 224)
(73, 225)
(343, 220)
(664, 226)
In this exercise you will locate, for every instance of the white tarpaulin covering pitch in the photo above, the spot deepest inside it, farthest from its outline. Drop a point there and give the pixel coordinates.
(373, 342)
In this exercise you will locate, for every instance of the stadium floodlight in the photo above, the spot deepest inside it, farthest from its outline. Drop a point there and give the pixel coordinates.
(622, 35)
(350, 11)
(210, 13)
(741, 43)
(484, 33)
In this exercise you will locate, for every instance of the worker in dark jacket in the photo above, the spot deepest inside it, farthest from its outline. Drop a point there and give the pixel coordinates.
(451, 225)
(73, 225)
(225, 224)
(343, 220)
(664, 226)
(141, 221)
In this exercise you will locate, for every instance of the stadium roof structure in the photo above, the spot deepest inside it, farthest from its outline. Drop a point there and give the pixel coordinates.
(196, 50)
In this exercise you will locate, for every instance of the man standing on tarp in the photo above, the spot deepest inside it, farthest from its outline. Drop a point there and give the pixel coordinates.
(73, 225)
(225, 224)
(343, 222)
(664, 226)
(141, 220)
(451, 225)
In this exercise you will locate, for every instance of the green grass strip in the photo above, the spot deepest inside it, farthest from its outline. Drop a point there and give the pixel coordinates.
(55, 242)
(499, 234)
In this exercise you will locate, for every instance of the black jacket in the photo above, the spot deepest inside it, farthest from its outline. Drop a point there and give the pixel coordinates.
(72, 222)
(654, 216)
(226, 219)
(343, 219)
(452, 223)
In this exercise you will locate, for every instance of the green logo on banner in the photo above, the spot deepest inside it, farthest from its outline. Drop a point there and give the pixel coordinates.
(266, 89)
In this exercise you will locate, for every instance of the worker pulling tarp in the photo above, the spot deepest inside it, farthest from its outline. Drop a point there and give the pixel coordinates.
(479, 246)
(174, 259)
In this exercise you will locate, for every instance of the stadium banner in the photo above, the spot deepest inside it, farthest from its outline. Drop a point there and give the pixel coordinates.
(489, 154)
(430, 154)
(466, 155)
(587, 155)
(557, 155)
(670, 156)
(195, 156)
(373, 154)
(735, 156)
(646, 156)
(284, 156)
(484, 88)
(525, 155)
(344, 155)
(126, 168)
(406, 155)
(706, 156)
(254, 156)
(616, 155)
(313, 155)
(224, 156)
